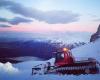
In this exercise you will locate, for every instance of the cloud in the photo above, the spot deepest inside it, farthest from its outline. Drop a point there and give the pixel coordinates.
(4, 25)
(18, 20)
(15, 20)
(97, 20)
(59, 17)
(3, 19)
(7, 67)
(51, 17)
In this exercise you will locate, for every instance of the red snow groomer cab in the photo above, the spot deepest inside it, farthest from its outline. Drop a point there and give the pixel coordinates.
(64, 57)
(65, 63)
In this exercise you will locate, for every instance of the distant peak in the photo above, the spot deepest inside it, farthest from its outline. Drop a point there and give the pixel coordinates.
(98, 31)
(96, 35)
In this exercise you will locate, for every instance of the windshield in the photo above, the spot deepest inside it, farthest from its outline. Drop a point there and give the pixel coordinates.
(59, 56)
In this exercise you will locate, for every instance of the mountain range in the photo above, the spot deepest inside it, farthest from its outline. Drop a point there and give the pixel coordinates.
(40, 45)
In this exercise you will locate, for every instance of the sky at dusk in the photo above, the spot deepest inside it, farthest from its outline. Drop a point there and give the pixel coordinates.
(49, 15)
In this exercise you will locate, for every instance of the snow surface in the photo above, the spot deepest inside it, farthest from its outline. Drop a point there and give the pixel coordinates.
(91, 50)
(24, 68)
(25, 74)
(8, 68)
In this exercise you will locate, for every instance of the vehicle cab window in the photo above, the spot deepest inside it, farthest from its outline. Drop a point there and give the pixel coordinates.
(59, 56)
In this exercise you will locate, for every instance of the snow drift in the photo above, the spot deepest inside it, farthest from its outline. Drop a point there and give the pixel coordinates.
(89, 50)
(25, 73)
(8, 68)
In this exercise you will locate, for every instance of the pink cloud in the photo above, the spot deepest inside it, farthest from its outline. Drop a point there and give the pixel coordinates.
(37, 26)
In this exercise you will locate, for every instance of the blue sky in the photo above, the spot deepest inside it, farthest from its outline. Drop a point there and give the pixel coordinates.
(80, 6)
(81, 13)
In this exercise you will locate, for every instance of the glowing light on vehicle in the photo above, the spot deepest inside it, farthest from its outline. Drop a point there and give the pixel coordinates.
(65, 49)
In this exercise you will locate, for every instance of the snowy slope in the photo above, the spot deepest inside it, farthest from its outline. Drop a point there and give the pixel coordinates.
(24, 68)
(89, 50)
(24, 73)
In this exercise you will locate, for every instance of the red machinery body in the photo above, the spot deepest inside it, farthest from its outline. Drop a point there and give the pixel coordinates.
(64, 57)
(65, 63)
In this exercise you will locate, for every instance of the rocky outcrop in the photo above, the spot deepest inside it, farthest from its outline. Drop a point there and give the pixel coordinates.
(96, 35)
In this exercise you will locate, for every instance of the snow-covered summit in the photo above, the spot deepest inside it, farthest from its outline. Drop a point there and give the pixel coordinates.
(96, 35)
